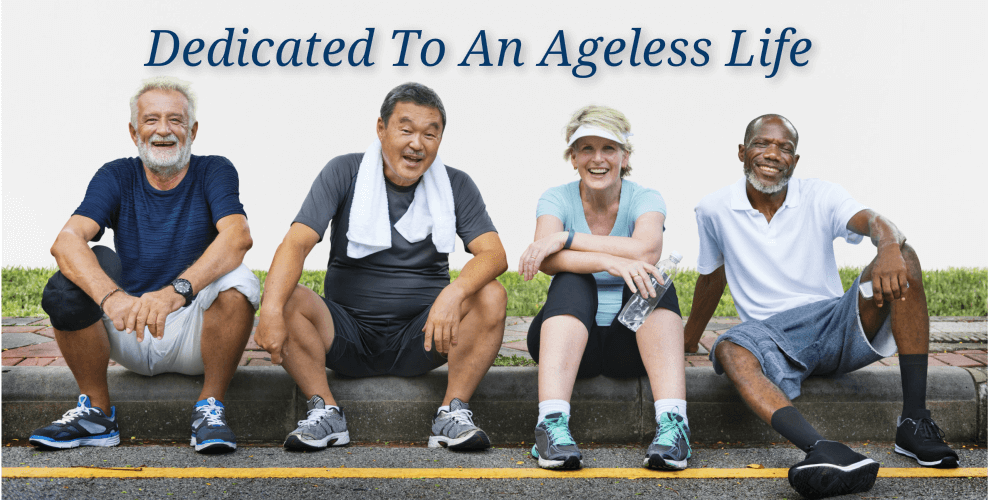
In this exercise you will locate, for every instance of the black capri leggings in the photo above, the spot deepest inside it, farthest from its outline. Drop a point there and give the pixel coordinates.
(611, 350)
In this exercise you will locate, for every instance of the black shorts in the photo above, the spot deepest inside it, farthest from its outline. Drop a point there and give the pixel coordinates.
(362, 349)
(611, 350)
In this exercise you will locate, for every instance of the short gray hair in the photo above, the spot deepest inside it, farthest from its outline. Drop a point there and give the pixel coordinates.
(165, 83)
(416, 93)
(609, 119)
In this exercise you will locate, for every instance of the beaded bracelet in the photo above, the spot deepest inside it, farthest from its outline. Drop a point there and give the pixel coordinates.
(108, 295)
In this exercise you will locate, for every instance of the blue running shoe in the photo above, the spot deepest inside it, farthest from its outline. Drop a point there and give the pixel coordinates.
(554, 446)
(671, 448)
(81, 426)
(209, 431)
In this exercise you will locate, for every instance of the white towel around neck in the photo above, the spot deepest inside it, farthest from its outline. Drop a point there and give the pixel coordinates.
(432, 210)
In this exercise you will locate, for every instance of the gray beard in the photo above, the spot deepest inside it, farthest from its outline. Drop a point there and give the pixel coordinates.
(755, 182)
(164, 166)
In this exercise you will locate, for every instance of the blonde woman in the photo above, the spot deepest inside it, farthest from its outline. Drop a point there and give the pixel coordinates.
(600, 237)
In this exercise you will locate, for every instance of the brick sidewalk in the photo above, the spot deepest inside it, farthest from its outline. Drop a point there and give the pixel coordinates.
(35, 345)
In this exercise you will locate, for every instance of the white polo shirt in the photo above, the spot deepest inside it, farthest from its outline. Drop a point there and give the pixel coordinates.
(777, 266)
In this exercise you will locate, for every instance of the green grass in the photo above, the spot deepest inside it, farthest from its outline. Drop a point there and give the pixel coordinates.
(514, 360)
(950, 292)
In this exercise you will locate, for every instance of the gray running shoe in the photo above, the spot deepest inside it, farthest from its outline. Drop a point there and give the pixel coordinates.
(454, 429)
(554, 446)
(321, 428)
(671, 447)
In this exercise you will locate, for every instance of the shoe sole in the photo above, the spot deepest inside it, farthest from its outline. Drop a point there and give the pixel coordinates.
(213, 446)
(826, 480)
(944, 463)
(477, 440)
(106, 440)
(657, 462)
(294, 442)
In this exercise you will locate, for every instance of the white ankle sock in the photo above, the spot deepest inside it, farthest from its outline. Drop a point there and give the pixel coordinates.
(551, 406)
(678, 406)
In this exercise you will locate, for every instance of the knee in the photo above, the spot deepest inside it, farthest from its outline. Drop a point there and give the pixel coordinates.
(68, 306)
(298, 302)
(913, 270)
(492, 300)
(729, 353)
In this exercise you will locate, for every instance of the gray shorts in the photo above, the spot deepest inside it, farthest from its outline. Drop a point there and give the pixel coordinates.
(179, 351)
(822, 338)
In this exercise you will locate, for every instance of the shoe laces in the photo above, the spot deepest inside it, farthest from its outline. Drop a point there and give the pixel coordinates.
(315, 416)
(926, 428)
(461, 416)
(212, 413)
(558, 430)
(668, 429)
(75, 413)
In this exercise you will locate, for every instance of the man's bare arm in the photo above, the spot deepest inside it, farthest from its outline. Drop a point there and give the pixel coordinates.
(708, 291)
(889, 269)
(286, 269)
(488, 262)
(79, 264)
(224, 254)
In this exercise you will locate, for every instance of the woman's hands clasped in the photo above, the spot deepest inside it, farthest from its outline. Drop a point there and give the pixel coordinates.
(635, 273)
(536, 252)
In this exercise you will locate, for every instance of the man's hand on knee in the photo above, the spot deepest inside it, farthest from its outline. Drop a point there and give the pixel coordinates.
(272, 335)
(441, 328)
(888, 275)
(152, 309)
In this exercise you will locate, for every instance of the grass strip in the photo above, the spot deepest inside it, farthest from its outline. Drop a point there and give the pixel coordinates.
(950, 292)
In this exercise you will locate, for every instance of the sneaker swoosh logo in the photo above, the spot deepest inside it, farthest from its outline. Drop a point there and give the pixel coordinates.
(197, 423)
(92, 427)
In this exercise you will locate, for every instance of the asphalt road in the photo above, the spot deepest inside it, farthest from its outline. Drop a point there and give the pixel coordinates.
(382, 456)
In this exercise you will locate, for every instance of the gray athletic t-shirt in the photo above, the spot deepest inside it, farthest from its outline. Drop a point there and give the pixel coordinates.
(387, 288)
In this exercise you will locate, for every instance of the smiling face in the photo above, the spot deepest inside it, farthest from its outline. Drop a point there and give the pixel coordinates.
(769, 157)
(162, 134)
(410, 142)
(599, 162)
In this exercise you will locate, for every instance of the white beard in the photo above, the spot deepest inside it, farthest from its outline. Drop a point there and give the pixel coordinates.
(759, 186)
(164, 163)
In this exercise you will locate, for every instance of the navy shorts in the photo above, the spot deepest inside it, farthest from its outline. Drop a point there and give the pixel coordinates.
(822, 338)
(611, 350)
(364, 349)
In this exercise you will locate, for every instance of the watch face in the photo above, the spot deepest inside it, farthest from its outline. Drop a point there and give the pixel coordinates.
(182, 287)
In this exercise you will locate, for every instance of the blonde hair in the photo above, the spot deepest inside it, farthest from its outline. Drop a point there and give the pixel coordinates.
(609, 119)
(165, 83)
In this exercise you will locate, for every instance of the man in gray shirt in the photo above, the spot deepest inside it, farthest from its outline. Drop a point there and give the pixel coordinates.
(393, 213)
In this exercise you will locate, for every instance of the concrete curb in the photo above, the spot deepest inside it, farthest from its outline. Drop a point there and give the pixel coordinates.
(263, 405)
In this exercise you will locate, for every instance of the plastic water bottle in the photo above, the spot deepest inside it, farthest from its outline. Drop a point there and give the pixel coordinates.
(637, 309)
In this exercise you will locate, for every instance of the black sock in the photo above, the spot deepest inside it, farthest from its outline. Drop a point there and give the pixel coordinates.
(913, 372)
(791, 424)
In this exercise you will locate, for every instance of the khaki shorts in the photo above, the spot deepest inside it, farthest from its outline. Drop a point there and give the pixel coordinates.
(179, 351)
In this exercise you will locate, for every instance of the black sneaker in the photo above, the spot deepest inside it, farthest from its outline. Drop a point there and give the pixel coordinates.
(831, 469)
(554, 446)
(209, 431)
(81, 426)
(918, 437)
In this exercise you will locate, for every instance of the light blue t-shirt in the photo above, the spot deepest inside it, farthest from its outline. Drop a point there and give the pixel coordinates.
(564, 202)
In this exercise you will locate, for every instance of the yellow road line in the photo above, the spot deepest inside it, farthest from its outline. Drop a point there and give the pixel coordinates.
(442, 473)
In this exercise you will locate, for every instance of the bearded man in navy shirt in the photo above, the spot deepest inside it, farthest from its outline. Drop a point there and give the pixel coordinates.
(175, 297)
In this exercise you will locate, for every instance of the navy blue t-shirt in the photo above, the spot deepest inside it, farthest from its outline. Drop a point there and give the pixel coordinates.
(159, 234)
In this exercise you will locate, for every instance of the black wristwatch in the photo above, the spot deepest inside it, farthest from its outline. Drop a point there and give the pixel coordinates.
(183, 287)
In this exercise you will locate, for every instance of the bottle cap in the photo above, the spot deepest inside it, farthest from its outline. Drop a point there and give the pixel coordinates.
(676, 256)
